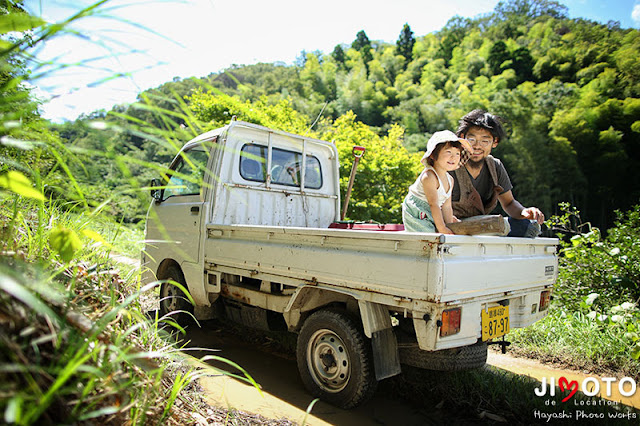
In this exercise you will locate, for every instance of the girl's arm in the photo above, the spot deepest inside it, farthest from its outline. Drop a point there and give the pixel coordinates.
(430, 185)
(447, 212)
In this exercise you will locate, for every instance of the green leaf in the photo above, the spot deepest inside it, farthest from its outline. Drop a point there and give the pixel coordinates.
(576, 240)
(65, 241)
(93, 235)
(19, 22)
(19, 184)
(635, 352)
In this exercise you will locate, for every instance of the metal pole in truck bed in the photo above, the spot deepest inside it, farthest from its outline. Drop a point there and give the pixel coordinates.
(358, 151)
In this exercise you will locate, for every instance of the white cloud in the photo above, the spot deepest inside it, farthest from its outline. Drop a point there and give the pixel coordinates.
(635, 14)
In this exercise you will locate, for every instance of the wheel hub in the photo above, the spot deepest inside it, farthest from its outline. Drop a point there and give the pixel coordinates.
(329, 361)
(169, 297)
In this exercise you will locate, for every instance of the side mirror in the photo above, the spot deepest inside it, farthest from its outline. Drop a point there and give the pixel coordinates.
(156, 192)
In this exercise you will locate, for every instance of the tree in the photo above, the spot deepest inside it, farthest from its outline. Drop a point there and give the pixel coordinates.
(522, 64)
(405, 43)
(451, 36)
(522, 11)
(363, 45)
(218, 109)
(384, 173)
(338, 56)
(497, 56)
(361, 42)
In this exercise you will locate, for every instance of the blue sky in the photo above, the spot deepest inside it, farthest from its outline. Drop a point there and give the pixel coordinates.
(163, 39)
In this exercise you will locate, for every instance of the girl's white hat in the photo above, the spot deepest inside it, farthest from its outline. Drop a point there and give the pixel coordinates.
(444, 136)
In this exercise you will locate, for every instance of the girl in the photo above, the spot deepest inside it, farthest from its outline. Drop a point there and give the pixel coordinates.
(427, 207)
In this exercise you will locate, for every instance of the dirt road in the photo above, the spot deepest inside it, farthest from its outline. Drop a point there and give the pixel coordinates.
(283, 395)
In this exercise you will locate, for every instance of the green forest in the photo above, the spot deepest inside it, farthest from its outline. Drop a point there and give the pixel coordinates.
(76, 342)
(568, 90)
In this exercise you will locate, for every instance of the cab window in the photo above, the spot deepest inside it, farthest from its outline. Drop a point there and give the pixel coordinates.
(186, 175)
(285, 166)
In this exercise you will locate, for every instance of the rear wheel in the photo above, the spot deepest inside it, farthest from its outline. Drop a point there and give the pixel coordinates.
(334, 359)
(173, 301)
(457, 359)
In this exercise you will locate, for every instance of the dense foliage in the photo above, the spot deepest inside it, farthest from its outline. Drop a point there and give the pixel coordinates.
(76, 345)
(568, 88)
(590, 263)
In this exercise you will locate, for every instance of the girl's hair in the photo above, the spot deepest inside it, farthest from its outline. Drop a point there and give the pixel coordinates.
(436, 151)
(483, 119)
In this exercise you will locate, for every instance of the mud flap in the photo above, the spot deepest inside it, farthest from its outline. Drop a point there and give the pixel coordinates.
(385, 353)
(376, 323)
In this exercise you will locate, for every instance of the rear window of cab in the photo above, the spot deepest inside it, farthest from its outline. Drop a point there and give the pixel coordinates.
(285, 167)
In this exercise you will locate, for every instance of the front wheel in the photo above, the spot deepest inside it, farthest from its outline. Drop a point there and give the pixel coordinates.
(334, 359)
(173, 301)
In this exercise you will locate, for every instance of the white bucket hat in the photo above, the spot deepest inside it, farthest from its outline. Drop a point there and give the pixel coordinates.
(444, 136)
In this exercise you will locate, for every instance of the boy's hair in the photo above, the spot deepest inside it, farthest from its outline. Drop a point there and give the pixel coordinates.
(483, 119)
(436, 151)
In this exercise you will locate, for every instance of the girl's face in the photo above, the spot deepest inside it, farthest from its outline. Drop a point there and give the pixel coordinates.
(448, 158)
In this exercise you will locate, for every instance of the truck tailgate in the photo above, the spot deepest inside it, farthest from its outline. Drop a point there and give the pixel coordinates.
(480, 266)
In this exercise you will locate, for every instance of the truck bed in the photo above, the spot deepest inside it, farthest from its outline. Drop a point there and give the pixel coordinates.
(431, 267)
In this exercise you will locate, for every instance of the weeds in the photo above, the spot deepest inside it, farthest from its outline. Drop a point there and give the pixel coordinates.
(594, 338)
(593, 322)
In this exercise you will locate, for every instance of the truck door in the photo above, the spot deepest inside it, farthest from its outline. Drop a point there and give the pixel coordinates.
(177, 218)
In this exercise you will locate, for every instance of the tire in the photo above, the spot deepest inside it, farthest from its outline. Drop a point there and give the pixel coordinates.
(457, 359)
(173, 301)
(335, 360)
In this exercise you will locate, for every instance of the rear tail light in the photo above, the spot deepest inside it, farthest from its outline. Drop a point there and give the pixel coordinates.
(545, 298)
(450, 322)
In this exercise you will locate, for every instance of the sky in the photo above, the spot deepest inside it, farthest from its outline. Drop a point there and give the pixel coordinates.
(131, 45)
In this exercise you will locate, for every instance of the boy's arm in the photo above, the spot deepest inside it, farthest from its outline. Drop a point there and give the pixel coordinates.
(513, 208)
(430, 187)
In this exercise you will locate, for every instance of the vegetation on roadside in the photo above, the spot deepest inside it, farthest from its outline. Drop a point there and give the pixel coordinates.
(594, 318)
(77, 345)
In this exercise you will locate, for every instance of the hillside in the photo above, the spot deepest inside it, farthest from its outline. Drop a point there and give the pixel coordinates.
(567, 88)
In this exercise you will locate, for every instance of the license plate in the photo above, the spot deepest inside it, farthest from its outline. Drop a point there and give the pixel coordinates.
(495, 322)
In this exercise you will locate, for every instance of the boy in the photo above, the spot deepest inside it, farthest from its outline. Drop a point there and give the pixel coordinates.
(483, 181)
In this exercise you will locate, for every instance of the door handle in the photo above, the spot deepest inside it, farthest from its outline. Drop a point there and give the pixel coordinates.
(195, 209)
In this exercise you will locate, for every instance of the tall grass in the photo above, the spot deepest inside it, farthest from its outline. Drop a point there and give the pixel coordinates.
(76, 344)
(582, 341)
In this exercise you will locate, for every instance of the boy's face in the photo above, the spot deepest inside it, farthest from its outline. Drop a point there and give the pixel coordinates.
(482, 142)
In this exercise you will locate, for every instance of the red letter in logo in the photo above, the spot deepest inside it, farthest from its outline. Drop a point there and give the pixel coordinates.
(566, 385)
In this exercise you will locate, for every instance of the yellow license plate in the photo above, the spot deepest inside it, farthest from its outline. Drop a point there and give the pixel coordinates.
(495, 322)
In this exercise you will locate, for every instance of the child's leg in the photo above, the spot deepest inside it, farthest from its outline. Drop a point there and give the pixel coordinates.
(416, 215)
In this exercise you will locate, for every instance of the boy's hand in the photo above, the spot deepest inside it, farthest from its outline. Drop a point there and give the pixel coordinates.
(533, 213)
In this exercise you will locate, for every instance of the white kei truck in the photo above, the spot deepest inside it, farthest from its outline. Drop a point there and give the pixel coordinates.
(247, 219)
